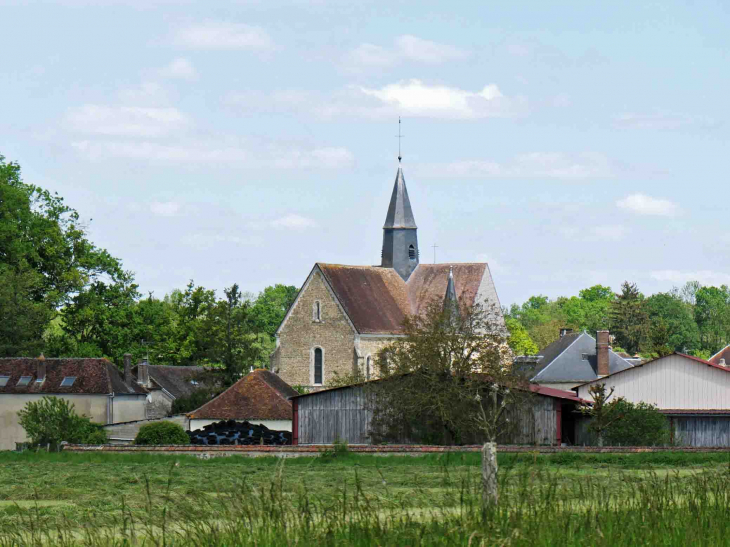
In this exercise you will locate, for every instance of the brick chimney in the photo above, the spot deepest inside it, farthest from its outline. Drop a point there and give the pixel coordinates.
(41, 369)
(143, 373)
(602, 352)
(128, 369)
(722, 363)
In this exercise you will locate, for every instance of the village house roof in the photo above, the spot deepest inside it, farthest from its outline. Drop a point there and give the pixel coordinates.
(724, 353)
(377, 299)
(572, 358)
(260, 395)
(176, 380)
(92, 376)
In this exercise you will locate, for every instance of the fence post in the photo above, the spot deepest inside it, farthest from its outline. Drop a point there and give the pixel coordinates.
(490, 491)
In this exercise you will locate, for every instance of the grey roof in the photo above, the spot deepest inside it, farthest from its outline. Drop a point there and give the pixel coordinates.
(450, 300)
(174, 379)
(572, 358)
(400, 214)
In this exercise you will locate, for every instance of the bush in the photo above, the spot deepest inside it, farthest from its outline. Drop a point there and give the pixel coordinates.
(183, 405)
(641, 424)
(161, 433)
(53, 420)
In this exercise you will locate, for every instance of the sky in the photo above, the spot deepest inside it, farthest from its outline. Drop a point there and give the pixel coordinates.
(565, 143)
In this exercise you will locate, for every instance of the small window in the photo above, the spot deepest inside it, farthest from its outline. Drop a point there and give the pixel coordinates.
(318, 366)
(68, 381)
(412, 252)
(4, 380)
(584, 356)
(317, 311)
(368, 367)
(24, 381)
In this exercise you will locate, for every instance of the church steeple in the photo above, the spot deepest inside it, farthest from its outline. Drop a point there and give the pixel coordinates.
(451, 302)
(400, 233)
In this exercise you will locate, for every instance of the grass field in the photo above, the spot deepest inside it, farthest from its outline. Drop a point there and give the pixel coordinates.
(346, 499)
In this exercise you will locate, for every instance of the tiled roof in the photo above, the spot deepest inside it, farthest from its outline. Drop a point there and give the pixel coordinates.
(260, 395)
(724, 353)
(377, 299)
(93, 376)
(175, 379)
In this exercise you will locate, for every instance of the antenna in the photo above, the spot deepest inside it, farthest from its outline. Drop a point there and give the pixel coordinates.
(399, 138)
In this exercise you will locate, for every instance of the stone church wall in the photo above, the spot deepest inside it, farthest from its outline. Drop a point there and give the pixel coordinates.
(300, 334)
(371, 346)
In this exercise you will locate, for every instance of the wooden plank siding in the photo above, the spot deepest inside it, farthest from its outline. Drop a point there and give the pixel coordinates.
(345, 415)
(701, 430)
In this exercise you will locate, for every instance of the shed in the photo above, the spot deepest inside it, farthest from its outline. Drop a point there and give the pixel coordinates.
(260, 397)
(692, 392)
(345, 414)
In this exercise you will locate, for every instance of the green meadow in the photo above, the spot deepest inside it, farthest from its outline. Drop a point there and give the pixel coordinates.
(339, 498)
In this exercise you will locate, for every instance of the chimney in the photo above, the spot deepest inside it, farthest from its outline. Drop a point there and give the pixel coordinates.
(143, 373)
(128, 369)
(722, 363)
(565, 331)
(602, 352)
(41, 372)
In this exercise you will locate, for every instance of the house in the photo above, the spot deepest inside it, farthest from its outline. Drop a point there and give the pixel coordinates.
(344, 414)
(260, 397)
(344, 315)
(165, 383)
(573, 359)
(94, 386)
(692, 392)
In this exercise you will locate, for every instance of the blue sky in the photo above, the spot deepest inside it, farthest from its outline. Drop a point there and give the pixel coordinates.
(566, 143)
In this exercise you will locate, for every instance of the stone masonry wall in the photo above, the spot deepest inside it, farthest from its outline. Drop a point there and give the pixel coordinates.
(301, 334)
(371, 347)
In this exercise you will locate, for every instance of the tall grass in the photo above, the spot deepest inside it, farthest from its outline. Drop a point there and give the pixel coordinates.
(538, 506)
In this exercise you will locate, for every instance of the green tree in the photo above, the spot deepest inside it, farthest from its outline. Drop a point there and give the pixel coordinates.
(161, 433)
(270, 307)
(603, 414)
(23, 318)
(712, 313)
(53, 420)
(519, 339)
(629, 320)
(672, 326)
(641, 424)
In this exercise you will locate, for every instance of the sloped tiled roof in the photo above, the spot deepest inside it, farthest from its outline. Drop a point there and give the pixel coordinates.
(724, 353)
(175, 379)
(93, 376)
(562, 361)
(260, 395)
(377, 299)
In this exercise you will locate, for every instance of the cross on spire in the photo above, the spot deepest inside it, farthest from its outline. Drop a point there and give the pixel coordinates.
(399, 138)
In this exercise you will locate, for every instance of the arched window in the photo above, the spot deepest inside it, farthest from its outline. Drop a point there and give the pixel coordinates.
(317, 311)
(318, 366)
(368, 367)
(411, 252)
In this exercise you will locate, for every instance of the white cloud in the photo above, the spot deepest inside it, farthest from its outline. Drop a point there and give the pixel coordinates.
(647, 205)
(165, 208)
(411, 97)
(663, 121)
(213, 153)
(405, 48)
(293, 222)
(179, 68)
(552, 165)
(131, 121)
(223, 35)
(705, 277)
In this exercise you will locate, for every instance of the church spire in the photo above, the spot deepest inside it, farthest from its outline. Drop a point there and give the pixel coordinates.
(400, 233)
(451, 302)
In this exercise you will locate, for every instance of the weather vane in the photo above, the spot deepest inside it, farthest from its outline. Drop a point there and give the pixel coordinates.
(399, 138)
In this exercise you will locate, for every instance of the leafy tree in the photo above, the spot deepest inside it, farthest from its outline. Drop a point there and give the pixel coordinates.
(270, 307)
(603, 413)
(641, 424)
(161, 433)
(52, 420)
(629, 320)
(23, 319)
(519, 339)
(671, 324)
(712, 313)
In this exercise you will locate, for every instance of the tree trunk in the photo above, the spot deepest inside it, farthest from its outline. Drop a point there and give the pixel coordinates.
(600, 438)
(490, 492)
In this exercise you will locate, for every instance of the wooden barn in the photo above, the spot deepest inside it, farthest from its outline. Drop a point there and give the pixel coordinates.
(345, 414)
(693, 393)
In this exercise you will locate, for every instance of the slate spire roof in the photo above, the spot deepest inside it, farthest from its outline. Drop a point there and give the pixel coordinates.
(451, 302)
(400, 214)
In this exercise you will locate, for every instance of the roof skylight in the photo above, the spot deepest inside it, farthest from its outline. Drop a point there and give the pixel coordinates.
(68, 381)
(24, 381)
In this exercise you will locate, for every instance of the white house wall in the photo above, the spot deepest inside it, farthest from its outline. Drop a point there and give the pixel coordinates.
(672, 382)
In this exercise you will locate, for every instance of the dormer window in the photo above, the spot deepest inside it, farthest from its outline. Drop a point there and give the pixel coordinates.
(411, 252)
(317, 311)
(24, 381)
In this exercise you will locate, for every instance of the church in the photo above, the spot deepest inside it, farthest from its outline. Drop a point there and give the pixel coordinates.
(344, 315)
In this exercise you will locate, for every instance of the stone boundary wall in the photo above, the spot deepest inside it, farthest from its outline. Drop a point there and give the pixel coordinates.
(386, 450)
